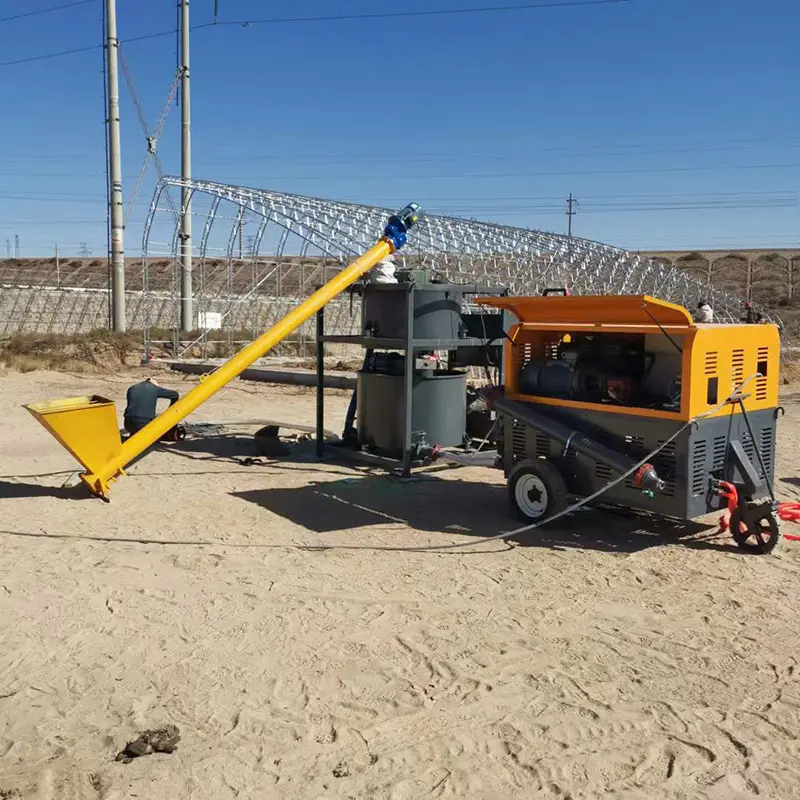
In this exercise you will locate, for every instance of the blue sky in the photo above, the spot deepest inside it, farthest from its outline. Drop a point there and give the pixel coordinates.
(638, 108)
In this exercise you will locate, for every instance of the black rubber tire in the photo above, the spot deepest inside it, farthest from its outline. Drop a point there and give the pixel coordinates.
(554, 486)
(761, 538)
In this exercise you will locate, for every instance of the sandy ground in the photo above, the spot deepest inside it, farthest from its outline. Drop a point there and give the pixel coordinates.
(602, 659)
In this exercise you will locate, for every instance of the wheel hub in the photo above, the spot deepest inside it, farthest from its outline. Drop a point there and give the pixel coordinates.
(531, 495)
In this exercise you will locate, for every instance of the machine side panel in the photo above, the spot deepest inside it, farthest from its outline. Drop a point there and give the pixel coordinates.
(632, 435)
(686, 464)
(723, 356)
(709, 455)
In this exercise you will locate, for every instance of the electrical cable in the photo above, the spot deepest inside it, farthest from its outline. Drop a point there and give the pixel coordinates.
(45, 56)
(40, 11)
(661, 328)
(569, 510)
(328, 18)
(510, 154)
(427, 13)
(500, 536)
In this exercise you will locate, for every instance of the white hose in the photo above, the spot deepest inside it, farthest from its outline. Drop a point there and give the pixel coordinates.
(569, 510)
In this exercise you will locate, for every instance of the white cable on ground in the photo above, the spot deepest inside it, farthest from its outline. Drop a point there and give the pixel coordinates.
(569, 510)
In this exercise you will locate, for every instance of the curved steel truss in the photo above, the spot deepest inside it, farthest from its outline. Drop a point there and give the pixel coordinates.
(259, 250)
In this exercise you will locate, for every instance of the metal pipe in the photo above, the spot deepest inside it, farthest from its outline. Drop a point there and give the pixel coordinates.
(187, 291)
(304, 378)
(394, 238)
(116, 211)
(320, 383)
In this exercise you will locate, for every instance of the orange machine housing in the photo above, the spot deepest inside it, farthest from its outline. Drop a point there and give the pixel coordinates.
(711, 360)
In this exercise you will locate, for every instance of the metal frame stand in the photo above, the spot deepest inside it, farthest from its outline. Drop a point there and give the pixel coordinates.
(407, 345)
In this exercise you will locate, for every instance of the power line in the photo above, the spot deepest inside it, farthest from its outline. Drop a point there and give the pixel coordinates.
(72, 201)
(631, 148)
(511, 155)
(427, 176)
(429, 13)
(610, 198)
(485, 175)
(558, 209)
(29, 59)
(761, 198)
(422, 157)
(526, 211)
(328, 18)
(47, 10)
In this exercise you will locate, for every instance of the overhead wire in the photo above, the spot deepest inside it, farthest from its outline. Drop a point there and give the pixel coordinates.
(425, 13)
(539, 174)
(327, 18)
(630, 149)
(612, 151)
(45, 56)
(49, 10)
(465, 176)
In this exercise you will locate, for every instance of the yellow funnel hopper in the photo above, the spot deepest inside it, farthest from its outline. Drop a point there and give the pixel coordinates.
(86, 426)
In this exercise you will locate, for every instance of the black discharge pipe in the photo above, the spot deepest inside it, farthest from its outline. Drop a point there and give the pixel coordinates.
(645, 478)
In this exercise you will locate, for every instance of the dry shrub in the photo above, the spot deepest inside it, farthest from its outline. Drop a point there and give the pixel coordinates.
(14, 363)
(93, 351)
(790, 371)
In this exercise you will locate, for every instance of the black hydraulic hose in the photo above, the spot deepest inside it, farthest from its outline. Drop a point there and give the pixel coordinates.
(570, 438)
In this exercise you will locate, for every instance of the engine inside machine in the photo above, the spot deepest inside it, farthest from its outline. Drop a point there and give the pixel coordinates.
(629, 369)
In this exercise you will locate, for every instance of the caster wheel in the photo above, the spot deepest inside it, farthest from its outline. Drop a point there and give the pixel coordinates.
(759, 536)
(536, 490)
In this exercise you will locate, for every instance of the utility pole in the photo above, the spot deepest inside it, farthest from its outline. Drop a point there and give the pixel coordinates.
(115, 172)
(571, 203)
(186, 175)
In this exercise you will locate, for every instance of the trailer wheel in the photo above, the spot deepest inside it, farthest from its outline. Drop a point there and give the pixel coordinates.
(759, 536)
(536, 490)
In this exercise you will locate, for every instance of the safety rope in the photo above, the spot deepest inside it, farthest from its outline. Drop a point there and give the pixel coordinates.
(153, 138)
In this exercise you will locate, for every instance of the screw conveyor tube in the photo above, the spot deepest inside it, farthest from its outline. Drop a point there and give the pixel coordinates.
(394, 238)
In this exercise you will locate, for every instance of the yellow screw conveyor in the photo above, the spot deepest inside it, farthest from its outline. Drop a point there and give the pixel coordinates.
(88, 427)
